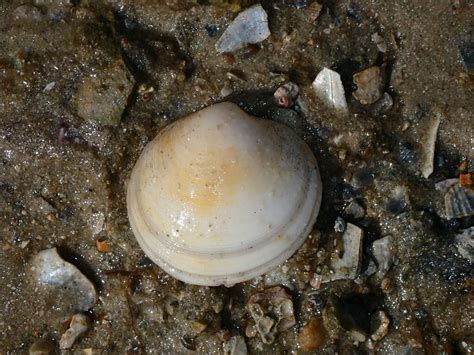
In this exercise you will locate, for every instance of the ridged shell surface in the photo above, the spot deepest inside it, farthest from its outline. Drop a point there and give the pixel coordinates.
(220, 197)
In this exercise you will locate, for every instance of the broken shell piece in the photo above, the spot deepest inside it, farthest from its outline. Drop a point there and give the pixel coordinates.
(250, 26)
(80, 324)
(328, 88)
(429, 142)
(64, 279)
(313, 335)
(458, 200)
(286, 95)
(379, 322)
(272, 304)
(465, 244)
(348, 266)
(369, 85)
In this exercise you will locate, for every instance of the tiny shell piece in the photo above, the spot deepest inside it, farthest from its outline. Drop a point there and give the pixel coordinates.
(286, 94)
(347, 267)
(328, 88)
(429, 143)
(80, 324)
(250, 26)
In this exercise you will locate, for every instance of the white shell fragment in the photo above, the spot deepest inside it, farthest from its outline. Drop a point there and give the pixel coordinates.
(348, 266)
(328, 88)
(429, 142)
(250, 26)
(464, 242)
(80, 324)
(220, 196)
(64, 279)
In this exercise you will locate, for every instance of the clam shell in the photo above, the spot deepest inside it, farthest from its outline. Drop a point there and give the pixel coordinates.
(220, 196)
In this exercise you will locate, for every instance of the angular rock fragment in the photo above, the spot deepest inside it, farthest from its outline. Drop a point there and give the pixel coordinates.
(103, 97)
(347, 266)
(80, 324)
(328, 88)
(250, 26)
(369, 85)
(70, 288)
(272, 310)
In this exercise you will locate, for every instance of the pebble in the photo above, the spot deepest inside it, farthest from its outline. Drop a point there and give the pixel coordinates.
(80, 324)
(249, 27)
(354, 210)
(369, 85)
(313, 335)
(328, 88)
(70, 287)
(103, 97)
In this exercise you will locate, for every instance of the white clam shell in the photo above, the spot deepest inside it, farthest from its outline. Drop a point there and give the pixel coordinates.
(220, 196)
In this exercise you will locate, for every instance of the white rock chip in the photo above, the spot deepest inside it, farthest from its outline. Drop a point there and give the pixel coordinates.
(64, 280)
(348, 266)
(80, 324)
(250, 26)
(328, 88)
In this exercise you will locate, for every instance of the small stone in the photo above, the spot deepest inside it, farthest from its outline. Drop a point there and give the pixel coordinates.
(42, 347)
(354, 210)
(198, 327)
(316, 281)
(80, 324)
(225, 91)
(249, 27)
(313, 335)
(103, 97)
(369, 85)
(38, 206)
(313, 11)
(235, 346)
(379, 41)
